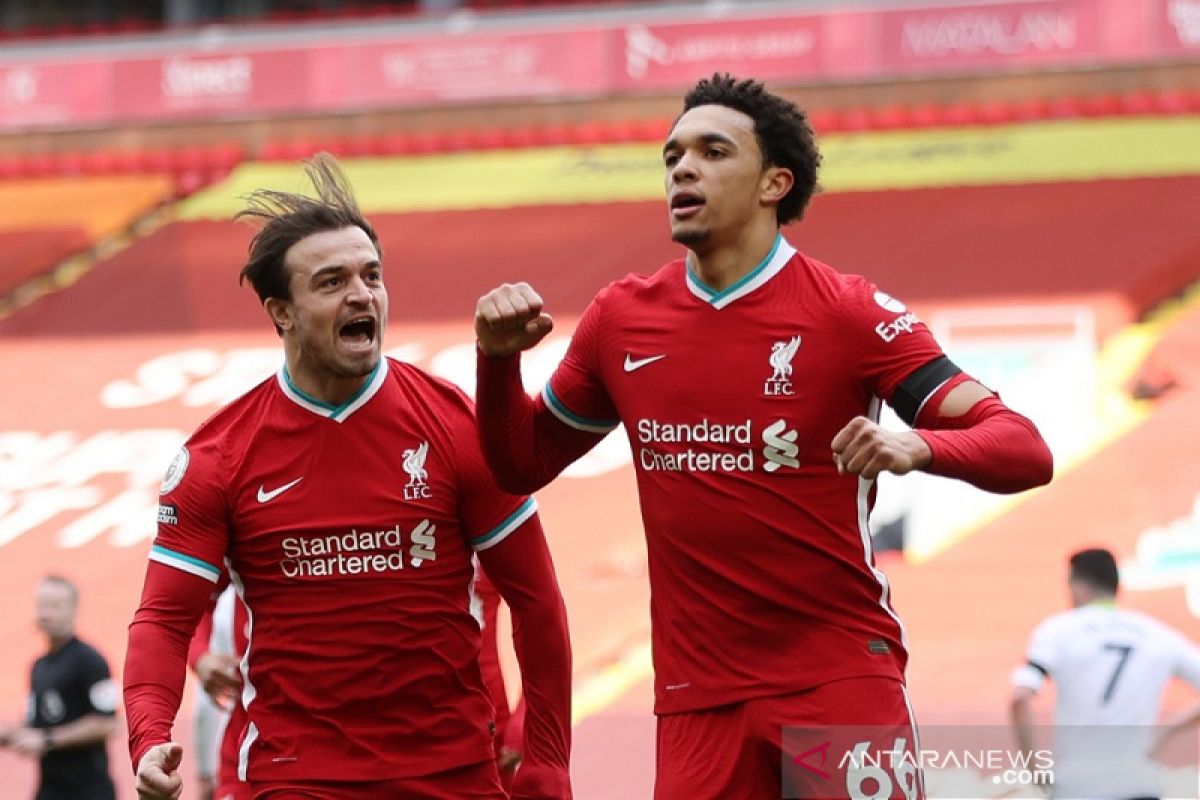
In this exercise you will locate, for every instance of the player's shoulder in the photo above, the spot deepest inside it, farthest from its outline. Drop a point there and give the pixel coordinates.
(231, 418)
(849, 290)
(223, 436)
(1151, 626)
(85, 653)
(438, 393)
(641, 287)
(1065, 628)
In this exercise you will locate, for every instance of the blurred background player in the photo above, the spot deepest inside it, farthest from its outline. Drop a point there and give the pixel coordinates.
(348, 498)
(1110, 666)
(72, 705)
(736, 372)
(217, 648)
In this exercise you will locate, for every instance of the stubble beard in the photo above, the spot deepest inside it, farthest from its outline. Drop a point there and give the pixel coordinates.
(689, 237)
(356, 368)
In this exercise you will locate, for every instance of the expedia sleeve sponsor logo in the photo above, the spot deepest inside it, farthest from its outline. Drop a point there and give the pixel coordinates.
(359, 552)
(167, 514)
(901, 324)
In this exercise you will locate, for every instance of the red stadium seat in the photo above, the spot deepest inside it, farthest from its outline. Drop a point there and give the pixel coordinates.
(588, 133)
(1174, 101)
(223, 157)
(396, 144)
(1067, 107)
(654, 130)
(69, 162)
(273, 150)
(890, 117)
(11, 167)
(622, 130)
(960, 114)
(490, 138)
(1101, 105)
(856, 119)
(1034, 108)
(997, 112)
(557, 133)
(825, 120)
(100, 162)
(1139, 103)
(926, 115)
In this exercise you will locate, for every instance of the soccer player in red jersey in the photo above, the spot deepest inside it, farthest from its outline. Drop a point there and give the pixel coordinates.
(749, 379)
(347, 498)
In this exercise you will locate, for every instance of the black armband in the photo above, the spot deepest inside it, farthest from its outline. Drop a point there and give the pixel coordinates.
(911, 394)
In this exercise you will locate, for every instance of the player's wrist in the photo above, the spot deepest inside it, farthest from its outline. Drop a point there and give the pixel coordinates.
(496, 352)
(920, 450)
(48, 740)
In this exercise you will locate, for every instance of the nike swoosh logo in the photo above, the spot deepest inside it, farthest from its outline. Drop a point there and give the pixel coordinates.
(631, 364)
(266, 497)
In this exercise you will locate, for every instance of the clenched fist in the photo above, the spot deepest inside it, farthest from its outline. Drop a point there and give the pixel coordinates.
(864, 448)
(509, 319)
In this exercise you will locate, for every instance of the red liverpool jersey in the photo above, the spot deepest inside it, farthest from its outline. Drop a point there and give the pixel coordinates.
(762, 573)
(349, 534)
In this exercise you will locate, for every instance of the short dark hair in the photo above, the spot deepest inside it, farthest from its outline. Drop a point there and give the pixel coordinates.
(784, 135)
(287, 218)
(1097, 568)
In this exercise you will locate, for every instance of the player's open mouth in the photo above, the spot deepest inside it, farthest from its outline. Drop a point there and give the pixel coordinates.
(359, 331)
(686, 204)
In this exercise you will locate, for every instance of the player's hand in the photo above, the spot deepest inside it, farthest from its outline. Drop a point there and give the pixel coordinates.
(864, 448)
(29, 742)
(509, 319)
(219, 677)
(158, 775)
(539, 782)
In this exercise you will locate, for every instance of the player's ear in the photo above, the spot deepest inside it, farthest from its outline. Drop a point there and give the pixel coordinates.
(776, 183)
(280, 312)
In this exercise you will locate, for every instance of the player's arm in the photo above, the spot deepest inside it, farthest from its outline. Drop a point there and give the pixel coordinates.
(91, 728)
(521, 569)
(1020, 714)
(962, 430)
(155, 669)
(1027, 680)
(524, 443)
(1187, 668)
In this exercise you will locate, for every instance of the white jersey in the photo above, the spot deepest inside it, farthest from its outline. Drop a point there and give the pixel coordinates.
(1110, 666)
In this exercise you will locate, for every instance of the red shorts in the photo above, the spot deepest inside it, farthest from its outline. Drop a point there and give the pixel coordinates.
(740, 750)
(473, 782)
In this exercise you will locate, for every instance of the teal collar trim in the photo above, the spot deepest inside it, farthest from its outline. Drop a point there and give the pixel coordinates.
(336, 413)
(781, 253)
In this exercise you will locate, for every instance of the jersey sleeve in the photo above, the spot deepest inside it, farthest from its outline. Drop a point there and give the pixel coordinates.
(1041, 658)
(99, 690)
(1187, 659)
(575, 393)
(193, 528)
(488, 514)
(889, 343)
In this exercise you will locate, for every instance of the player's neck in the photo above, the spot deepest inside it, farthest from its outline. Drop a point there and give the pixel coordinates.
(57, 643)
(720, 267)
